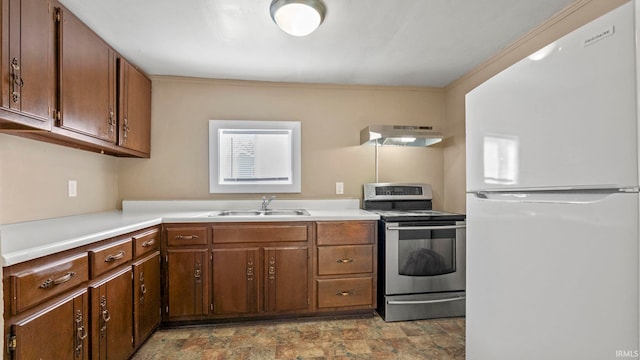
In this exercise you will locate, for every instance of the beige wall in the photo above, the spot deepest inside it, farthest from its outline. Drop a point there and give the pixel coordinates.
(331, 117)
(574, 16)
(34, 175)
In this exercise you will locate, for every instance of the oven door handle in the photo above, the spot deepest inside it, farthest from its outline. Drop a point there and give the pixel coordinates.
(443, 227)
(415, 302)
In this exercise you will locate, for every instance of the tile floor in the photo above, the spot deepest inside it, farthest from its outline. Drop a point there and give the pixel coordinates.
(354, 338)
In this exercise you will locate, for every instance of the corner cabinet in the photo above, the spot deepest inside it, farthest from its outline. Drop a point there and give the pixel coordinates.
(62, 83)
(186, 272)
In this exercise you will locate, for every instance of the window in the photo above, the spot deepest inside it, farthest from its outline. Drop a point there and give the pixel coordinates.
(254, 156)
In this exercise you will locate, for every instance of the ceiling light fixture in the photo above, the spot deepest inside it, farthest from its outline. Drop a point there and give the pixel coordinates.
(298, 17)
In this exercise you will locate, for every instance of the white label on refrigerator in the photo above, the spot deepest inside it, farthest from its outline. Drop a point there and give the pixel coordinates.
(599, 36)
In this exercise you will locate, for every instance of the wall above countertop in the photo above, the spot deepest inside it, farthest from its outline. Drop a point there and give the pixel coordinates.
(331, 118)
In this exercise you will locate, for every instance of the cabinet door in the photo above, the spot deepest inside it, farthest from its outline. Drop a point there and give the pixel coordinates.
(28, 85)
(236, 274)
(134, 108)
(59, 332)
(287, 272)
(146, 297)
(187, 289)
(87, 80)
(112, 317)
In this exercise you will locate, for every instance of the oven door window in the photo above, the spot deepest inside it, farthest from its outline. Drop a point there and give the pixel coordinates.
(426, 252)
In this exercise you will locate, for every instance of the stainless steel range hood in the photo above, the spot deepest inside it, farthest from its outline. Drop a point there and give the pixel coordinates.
(400, 135)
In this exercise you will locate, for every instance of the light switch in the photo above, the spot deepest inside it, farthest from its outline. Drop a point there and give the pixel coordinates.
(339, 188)
(72, 188)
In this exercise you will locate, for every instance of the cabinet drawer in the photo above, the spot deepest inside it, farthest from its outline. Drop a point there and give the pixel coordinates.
(345, 232)
(248, 233)
(350, 259)
(345, 292)
(110, 257)
(187, 236)
(36, 285)
(146, 242)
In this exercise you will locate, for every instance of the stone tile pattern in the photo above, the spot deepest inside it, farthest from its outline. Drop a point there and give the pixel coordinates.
(358, 338)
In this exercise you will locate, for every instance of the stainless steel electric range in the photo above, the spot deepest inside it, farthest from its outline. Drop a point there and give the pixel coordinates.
(421, 255)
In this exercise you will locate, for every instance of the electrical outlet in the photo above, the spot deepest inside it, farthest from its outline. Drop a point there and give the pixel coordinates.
(72, 188)
(339, 188)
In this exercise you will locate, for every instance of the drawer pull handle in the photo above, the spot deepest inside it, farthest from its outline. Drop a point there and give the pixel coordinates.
(149, 243)
(61, 280)
(112, 258)
(344, 261)
(344, 293)
(186, 237)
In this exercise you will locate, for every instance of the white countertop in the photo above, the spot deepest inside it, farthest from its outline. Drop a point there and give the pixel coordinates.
(32, 239)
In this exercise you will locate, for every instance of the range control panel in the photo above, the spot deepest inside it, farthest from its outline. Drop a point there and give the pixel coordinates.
(395, 191)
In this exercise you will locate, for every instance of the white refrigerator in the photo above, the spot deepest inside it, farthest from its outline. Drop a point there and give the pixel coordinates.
(552, 200)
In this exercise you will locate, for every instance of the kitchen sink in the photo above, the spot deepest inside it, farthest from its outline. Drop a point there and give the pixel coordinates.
(287, 212)
(274, 212)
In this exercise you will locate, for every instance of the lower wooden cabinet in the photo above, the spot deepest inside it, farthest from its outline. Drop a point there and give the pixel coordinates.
(112, 316)
(253, 281)
(146, 297)
(57, 332)
(346, 266)
(187, 284)
(287, 283)
(236, 278)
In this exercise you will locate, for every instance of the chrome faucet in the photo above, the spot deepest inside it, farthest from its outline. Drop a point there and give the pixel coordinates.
(266, 202)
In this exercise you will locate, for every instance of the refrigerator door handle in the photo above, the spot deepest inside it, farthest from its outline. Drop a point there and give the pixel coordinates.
(552, 197)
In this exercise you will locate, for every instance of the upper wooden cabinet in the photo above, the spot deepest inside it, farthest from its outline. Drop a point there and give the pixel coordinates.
(63, 84)
(134, 108)
(87, 80)
(28, 75)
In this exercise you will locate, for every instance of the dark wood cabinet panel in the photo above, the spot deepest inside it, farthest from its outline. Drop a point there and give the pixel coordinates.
(58, 332)
(87, 80)
(134, 108)
(287, 279)
(345, 232)
(112, 317)
(146, 297)
(186, 235)
(236, 281)
(347, 259)
(346, 266)
(146, 242)
(28, 75)
(42, 282)
(262, 233)
(187, 283)
(110, 256)
(337, 293)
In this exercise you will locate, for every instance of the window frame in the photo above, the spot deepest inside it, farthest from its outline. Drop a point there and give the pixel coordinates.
(214, 184)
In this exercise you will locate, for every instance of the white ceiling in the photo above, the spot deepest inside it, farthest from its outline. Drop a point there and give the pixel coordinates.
(372, 42)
